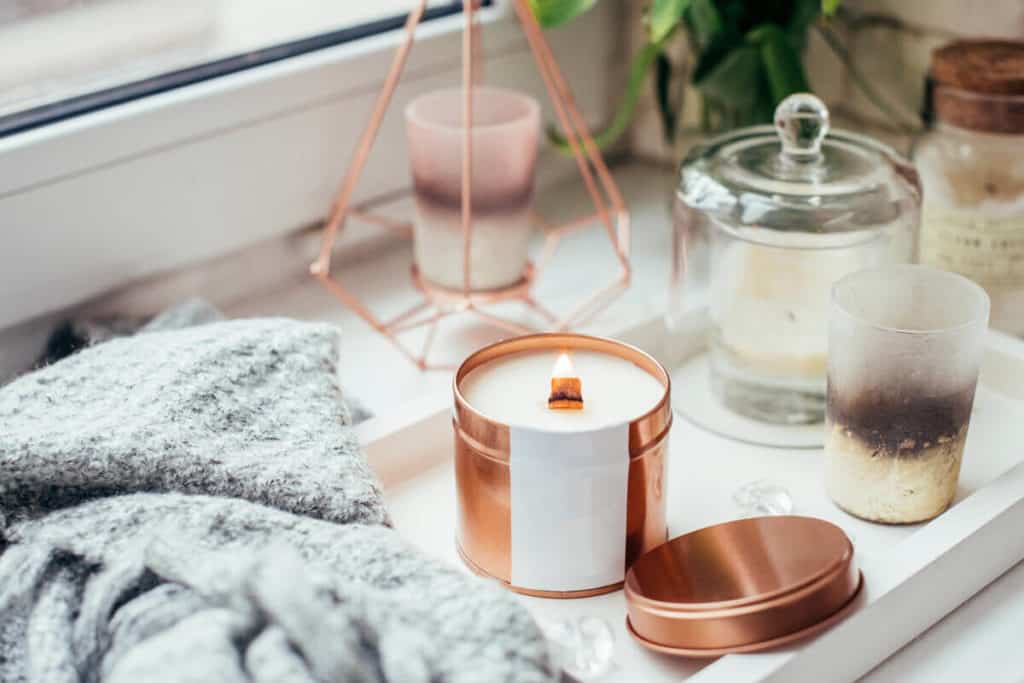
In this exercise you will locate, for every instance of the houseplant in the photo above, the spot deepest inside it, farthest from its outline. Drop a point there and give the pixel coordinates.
(744, 58)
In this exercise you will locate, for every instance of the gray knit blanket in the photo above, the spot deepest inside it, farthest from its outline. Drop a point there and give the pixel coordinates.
(192, 505)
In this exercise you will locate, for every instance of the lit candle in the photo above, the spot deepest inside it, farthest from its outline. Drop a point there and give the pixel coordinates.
(514, 390)
(566, 387)
(560, 447)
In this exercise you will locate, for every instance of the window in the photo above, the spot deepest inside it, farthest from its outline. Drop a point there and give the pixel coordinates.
(60, 58)
(129, 167)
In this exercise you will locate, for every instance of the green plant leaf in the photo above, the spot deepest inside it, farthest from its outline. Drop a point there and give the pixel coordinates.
(637, 72)
(663, 18)
(805, 13)
(829, 7)
(550, 13)
(782, 66)
(662, 92)
(704, 21)
(763, 109)
(735, 78)
(715, 51)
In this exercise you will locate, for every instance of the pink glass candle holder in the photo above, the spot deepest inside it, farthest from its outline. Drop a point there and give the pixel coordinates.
(505, 131)
(470, 296)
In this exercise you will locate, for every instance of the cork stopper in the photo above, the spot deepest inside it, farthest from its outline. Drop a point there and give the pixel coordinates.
(979, 85)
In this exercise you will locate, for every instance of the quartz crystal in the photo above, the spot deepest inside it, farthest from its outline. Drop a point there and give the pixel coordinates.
(763, 497)
(582, 647)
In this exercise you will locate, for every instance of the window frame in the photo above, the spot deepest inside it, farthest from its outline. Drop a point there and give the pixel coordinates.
(79, 105)
(169, 181)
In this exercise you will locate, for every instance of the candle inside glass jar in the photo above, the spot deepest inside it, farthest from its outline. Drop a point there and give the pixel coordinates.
(515, 390)
(505, 131)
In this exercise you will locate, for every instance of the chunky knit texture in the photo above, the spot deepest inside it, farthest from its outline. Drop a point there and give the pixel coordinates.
(192, 506)
(249, 409)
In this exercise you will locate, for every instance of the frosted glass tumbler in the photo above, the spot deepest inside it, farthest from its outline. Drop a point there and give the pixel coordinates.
(506, 128)
(904, 348)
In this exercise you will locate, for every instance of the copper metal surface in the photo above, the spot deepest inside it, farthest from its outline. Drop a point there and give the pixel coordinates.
(482, 473)
(558, 595)
(742, 585)
(438, 303)
(760, 646)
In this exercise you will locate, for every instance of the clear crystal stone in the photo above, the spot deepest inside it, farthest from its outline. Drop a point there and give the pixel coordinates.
(583, 647)
(763, 497)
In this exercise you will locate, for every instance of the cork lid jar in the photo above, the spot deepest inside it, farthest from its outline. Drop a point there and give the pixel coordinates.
(979, 85)
(971, 164)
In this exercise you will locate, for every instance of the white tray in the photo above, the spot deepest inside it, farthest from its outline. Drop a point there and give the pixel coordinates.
(914, 575)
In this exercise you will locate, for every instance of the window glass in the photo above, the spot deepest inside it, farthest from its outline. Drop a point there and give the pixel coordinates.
(59, 58)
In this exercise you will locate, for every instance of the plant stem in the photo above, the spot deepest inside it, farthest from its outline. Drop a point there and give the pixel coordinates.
(862, 82)
(638, 73)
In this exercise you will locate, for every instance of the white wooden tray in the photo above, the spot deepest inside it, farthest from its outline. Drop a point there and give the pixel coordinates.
(914, 575)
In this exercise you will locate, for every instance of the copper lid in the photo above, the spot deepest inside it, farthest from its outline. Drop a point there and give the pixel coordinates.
(980, 84)
(741, 586)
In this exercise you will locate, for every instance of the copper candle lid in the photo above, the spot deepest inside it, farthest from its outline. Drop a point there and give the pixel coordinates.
(742, 586)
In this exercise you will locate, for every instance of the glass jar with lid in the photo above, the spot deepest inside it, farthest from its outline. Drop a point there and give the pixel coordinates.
(781, 213)
(971, 163)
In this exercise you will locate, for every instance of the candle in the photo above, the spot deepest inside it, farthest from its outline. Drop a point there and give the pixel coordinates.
(514, 390)
(505, 130)
(560, 446)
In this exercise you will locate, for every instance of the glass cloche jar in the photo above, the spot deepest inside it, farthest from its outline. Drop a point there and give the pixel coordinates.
(780, 213)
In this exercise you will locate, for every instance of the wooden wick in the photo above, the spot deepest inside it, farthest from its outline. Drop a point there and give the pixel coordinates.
(566, 389)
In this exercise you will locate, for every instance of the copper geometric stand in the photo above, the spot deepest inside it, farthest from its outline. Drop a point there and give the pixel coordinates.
(438, 303)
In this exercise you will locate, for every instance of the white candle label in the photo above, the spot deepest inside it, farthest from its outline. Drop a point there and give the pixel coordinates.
(568, 507)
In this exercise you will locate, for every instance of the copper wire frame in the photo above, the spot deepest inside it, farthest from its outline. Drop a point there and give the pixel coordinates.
(438, 303)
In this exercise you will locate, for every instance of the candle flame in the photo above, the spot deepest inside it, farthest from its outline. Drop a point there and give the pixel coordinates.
(563, 367)
(566, 387)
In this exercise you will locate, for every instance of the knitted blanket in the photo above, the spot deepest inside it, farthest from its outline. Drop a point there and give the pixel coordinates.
(192, 505)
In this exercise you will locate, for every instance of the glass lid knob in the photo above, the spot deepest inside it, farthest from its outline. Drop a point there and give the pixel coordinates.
(801, 121)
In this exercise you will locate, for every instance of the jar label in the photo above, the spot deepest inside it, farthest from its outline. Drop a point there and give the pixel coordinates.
(990, 251)
(568, 494)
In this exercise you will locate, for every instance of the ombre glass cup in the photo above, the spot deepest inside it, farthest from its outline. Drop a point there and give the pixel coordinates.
(905, 345)
(505, 132)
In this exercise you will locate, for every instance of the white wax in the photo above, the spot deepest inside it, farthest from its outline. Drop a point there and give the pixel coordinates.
(514, 390)
(498, 252)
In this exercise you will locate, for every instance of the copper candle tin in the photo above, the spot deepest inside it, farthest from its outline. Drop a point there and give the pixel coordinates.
(742, 586)
(483, 473)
